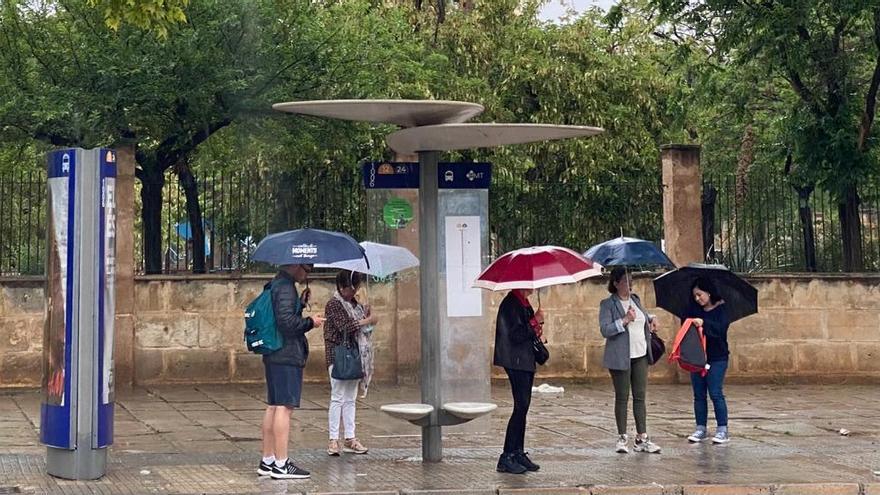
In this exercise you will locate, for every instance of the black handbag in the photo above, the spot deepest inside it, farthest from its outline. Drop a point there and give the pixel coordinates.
(658, 348)
(541, 352)
(347, 362)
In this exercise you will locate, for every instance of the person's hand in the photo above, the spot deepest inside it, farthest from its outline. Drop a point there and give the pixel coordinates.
(367, 309)
(305, 296)
(630, 316)
(371, 320)
(539, 331)
(697, 321)
(654, 325)
(318, 320)
(539, 316)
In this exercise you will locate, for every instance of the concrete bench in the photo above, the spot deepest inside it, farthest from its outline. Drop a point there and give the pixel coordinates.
(451, 413)
(416, 414)
(469, 410)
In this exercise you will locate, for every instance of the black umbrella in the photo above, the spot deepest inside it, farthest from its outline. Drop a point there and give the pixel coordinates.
(673, 290)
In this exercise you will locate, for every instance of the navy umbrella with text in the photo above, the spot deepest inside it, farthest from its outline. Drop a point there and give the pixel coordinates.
(307, 247)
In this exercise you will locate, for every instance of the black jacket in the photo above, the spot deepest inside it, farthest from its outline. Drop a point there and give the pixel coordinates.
(715, 326)
(514, 336)
(289, 322)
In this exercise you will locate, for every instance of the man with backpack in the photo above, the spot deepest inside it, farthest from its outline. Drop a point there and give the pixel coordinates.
(284, 370)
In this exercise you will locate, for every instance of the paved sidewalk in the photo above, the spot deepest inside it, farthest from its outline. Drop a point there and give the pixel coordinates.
(205, 439)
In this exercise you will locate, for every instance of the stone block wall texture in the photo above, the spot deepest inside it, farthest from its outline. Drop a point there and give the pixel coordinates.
(189, 329)
(21, 332)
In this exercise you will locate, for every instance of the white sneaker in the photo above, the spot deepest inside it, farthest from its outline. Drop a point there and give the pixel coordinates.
(621, 447)
(721, 437)
(699, 435)
(646, 445)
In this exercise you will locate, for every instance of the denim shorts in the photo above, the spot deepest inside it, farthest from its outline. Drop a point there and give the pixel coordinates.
(283, 384)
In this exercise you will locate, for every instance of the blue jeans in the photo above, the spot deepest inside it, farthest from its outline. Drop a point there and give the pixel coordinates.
(713, 382)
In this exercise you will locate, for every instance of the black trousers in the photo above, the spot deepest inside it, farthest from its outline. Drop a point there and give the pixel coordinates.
(521, 386)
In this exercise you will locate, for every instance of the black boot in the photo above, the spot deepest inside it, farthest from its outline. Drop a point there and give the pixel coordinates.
(507, 464)
(523, 459)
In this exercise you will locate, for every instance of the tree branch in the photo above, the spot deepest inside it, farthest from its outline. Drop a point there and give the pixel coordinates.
(838, 33)
(169, 152)
(797, 83)
(55, 139)
(871, 97)
(271, 80)
(803, 34)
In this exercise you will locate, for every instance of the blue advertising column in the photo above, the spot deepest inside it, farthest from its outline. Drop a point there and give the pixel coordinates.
(76, 418)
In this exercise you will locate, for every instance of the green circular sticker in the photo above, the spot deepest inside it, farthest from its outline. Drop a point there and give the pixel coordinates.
(397, 213)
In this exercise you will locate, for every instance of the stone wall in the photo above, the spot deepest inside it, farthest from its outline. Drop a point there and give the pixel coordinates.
(22, 307)
(189, 329)
(813, 328)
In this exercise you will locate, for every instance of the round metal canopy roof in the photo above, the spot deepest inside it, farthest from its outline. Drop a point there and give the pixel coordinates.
(405, 113)
(445, 137)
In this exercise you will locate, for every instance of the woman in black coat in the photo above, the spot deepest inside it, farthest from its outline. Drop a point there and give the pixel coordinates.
(515, 330)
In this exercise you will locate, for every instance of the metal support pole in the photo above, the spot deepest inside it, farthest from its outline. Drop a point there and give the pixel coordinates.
(429, 269)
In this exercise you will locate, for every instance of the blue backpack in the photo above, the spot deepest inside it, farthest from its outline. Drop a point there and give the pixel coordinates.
(260, 334)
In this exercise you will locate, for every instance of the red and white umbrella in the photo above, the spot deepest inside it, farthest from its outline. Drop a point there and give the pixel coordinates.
(536, 267)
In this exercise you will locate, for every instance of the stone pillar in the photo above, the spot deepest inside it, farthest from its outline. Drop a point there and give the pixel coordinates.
(408, 344)
(123, 345)
(682, 214)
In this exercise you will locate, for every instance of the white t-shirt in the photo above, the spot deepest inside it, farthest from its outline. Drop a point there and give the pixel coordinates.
(638, 346)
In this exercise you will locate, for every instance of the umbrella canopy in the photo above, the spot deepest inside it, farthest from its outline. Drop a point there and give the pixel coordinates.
(384, 260)
(536, 267)
(673, 290)
(628, 251)
(184, 228)
(307, 246)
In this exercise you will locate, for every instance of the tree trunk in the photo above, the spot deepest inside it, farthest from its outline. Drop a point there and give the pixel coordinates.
(809, 234)
(152, 183)
(708, 207)
(851, 229)
(194, 215)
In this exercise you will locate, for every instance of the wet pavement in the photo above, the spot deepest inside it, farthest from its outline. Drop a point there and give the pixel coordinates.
(205, 439)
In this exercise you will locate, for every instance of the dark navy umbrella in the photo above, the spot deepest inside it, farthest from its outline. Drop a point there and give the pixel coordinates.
(673, 290)
(307, 246)
(628, 251)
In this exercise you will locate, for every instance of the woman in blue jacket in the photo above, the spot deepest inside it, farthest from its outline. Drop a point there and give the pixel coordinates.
(708, 311)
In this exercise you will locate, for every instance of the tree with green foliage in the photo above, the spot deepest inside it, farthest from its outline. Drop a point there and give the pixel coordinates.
(596, 70)
(69, 81)
(828, 55)
(157, 16)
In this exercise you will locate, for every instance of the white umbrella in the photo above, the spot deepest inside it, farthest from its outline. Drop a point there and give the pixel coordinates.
(384, 260)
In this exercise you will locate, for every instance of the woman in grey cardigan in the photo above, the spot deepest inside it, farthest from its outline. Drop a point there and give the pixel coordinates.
(627, 329)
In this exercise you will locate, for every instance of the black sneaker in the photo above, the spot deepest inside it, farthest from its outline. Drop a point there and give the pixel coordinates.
(507, 463)
(523, 459)
(289, 472)
(264, 469)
